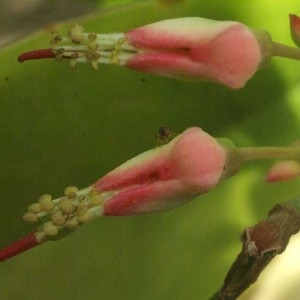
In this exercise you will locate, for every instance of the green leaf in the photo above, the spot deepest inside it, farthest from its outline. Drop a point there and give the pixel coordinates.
(61, 127)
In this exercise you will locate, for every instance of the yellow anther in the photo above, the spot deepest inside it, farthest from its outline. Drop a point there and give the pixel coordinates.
(94, 65)
(121, 41)
(81, 198)
(71, 191)
(96, 200)
(92, 36)
(92, 55)
(93, 192)
(56, 38)
(46, 203)
(58, 218)
(35, 208)
(40, 235)
(73, 63)
(30, 217)
(81, 210)
(66, 205)
(50, 229)
(92, 45)
(85, 218)
(58, 53)
(72, 223)
(55, 34)
(118, 48)
(114, 57)
(76, 34)
(73, 60)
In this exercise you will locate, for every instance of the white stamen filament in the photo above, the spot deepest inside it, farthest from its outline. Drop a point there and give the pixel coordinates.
(83, 47)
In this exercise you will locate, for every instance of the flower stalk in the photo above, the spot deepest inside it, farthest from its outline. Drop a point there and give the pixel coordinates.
(256, 153)
(285, 51)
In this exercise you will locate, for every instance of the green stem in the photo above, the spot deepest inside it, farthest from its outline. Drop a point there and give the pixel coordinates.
(286, 51)
(254, 153)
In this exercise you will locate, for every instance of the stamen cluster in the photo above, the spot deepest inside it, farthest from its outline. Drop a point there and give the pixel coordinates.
(79, 46)
(68, 212)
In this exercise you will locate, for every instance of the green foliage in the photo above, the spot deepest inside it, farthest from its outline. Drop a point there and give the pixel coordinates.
(60, 127)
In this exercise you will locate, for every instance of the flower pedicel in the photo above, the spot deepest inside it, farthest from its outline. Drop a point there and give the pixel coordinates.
(188, 48)
(191, 164)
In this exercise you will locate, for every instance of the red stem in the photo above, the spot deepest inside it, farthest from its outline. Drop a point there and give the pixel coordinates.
(36, 54)
(21, 245)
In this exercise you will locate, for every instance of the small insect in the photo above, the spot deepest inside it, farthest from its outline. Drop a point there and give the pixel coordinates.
(164, 135)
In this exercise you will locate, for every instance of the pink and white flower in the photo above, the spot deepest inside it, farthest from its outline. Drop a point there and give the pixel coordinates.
(188, 48)
(191, 164)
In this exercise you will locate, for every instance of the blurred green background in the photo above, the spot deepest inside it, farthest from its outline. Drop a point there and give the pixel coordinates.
(61, 127)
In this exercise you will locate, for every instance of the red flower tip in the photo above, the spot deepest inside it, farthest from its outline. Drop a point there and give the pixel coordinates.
(295, 28)
(284, 170)
(27, 242)
(36, 54)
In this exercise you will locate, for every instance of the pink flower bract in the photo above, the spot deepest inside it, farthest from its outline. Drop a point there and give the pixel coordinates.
(283, 170)
(197, 49)
(166, 176)
(295, 28)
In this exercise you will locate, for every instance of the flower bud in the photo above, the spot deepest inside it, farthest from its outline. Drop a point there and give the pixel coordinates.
(191, 164)
(188, 48)
(295, 28)
(200, 49)
(283, 170)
